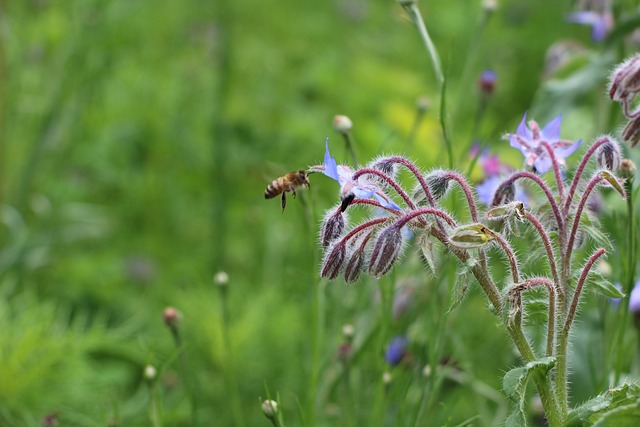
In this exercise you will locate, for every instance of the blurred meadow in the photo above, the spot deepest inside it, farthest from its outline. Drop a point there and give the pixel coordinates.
(136, 140)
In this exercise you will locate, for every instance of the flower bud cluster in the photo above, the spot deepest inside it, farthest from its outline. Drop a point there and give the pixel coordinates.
(624, 88)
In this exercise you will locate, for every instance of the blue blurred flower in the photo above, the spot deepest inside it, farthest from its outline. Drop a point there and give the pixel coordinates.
(487, 81)
(600, 23)
(487, 189)
(396, 350)
(528, 140)
(615, 302)
(361, 187)
(634, 299)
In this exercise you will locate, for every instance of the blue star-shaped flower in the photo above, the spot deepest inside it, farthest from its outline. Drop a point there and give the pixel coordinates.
(528, 139)
(350, 188)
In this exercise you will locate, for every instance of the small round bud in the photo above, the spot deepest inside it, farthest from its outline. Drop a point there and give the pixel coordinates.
(608, 155)
(348, 331)
(439, 184)
(171, 317)
(426, 371)
(423, 104)
(150, 373)
(386, 251)
(342, 124)
(627, 168)
(387, 378)
(487, 82)
(270, 409)
(221, 279)
(490, 6)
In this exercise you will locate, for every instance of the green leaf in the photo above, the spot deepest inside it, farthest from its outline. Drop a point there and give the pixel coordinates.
(514, 384)
(604, 287)
(615, 407)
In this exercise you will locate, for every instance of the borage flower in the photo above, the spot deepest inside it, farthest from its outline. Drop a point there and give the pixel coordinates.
(600, 23)
(351, 188)
(530, 141)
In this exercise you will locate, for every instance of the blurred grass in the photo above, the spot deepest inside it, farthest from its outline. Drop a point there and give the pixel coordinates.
(137, 137)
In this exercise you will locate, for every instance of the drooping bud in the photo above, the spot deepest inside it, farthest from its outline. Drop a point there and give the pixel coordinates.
(386, 251)
(333, 261)
(385, 165)
(608, 155)
(613, 181)
(507, 211)
(505, 193)
(438, 183)
(631, 132)
(332, 226)
(625, 80)
(270, 409)
(470, 236)
(342, 124)
(354, 265)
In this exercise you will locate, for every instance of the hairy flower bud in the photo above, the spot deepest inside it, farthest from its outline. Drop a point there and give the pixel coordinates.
(354, 265)
(505, 193)
(470, 236)
(332, 227)
(627, 168)
(625, 80)
(386, 251)
(342, 124)
(333, 260)
(608, 155)
(631, 132)
(438, 183)
(270, 409)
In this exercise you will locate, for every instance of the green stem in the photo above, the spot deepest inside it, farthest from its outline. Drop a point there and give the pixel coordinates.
(230, 378)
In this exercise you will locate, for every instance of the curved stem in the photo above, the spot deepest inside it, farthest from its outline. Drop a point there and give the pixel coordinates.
(562, 345)
(467, 192)
(418, 175)
(547, 245)
(574, 229)
(425, 211)
(579, 172)
(510, 254)
(542, 281)
(545, 188)
(556, 168)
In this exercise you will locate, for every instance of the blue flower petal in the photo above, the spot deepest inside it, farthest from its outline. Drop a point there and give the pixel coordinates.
(387, 203)
(523, 130)
(542, 164)
(567, 151)
(330, 165)
(551, 130)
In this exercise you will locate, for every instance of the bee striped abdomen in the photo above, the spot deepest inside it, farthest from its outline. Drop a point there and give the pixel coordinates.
(276, 187)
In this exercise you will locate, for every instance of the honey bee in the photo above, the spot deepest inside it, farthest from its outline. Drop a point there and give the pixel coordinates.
(289, 182)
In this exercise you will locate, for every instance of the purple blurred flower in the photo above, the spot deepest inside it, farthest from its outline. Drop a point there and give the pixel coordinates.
(600, 23)
(487, 82)
(528, 140)
(634, 299)
(396, 350)
(361, 187)
(487, 189)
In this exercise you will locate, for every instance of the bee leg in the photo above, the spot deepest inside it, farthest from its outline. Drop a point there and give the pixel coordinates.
(293, 191)
(284, 200)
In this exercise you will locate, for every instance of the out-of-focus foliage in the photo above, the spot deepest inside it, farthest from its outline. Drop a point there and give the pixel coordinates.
(136, 139)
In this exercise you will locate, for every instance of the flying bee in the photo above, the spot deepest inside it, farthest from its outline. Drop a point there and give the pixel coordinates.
(289, 182)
